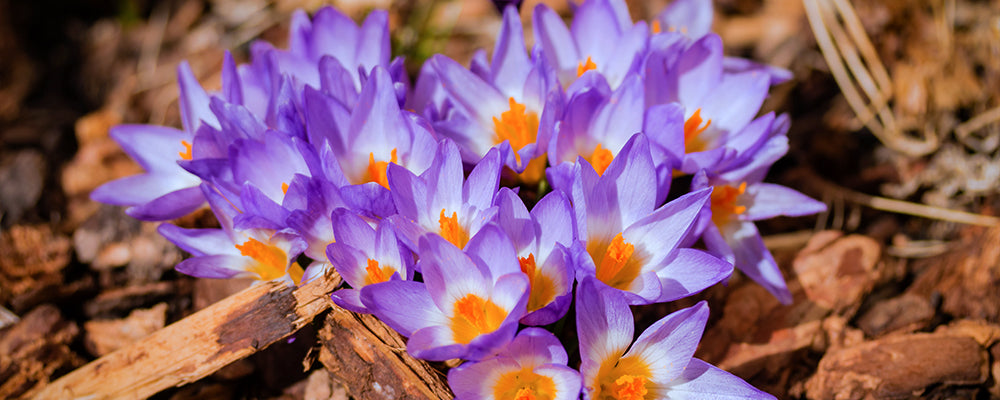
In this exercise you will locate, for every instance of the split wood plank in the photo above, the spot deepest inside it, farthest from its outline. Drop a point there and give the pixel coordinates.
(198, 345)
(371, 360)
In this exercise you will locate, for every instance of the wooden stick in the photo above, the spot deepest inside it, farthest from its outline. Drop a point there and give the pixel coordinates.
(198, 345)
(371, 360)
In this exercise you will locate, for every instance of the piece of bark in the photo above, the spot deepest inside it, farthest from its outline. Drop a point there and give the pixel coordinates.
(321, 386)
(906, 313)
(371, 360)
(200, 344)
(966, 278)
(899, 367)
(106, 336)
(31, 257)
(35, 348)
(837, 273)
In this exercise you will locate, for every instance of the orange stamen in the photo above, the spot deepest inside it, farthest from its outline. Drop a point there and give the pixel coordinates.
(585, 66)
(377, 169)
(541, 289)
(377, 274)
(600, 159)
(724, 203)
(451, 230)
(474, 316)
(186, 154)
(517, 126)
(693, 128)
(631, 387)
(656, 28)
(524, 384)
(270, 261)
(617, 255)
(284, 187)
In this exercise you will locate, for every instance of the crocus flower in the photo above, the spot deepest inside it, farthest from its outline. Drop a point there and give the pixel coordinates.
(532, 366)
(165, 191)
(732, 235)
(365, 256)
(601, 37)
(259, 253)
(512, 103)
(542, 238)
(439, 202)
(468, 305)
(659, 364)
(629, 244)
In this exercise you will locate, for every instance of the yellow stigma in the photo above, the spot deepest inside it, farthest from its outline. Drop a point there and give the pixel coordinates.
(617, 265)
(270, 262)
(724, 203)
(692, 129)
(474, 316)
(585, 66)
(600, 159)
(377, 169)
(186, 154)
(524, 384)
(624, 379)
(451, 230)
(542, 289)
(376, 273)
(517, 126)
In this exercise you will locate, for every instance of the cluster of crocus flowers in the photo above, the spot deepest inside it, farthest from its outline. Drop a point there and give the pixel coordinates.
(477, 206)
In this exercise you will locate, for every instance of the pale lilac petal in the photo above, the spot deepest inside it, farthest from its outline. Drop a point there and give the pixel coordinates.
(554, 216)
(217, 267)
(699, 70)
(729, 112)
(435, 343)
(172, 205)
(193, 100)
(668, 345)
(604, 325)
(405, 306)
(554, 38)
(198, 242)
(350, 300)
(690, 271)
(510, 64)
(769, 200)
(596, 31)
(478, 380)
(753, 258)
(479, 189)
(690, 17)
(701, 380)
(665, 228)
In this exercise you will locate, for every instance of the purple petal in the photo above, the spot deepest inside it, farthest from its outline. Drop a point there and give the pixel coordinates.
(668, 345)
(690, 17)
(604, 325)
(770, 200)
(172, 205)
(753, 258)
(510, 58)
(405, 306)
(193, 100)
(701, 380)
(554, 38)
(689, 272)
(216, 267)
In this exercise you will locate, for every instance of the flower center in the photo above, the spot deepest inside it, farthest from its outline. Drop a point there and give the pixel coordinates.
(270, 261)
(451, 230)
(186, 154)
(617, 265)
(623, 379)
(543, 289)
(601, 158)
(376, 169)
(517, 126)
(524, 384)
(585, 66)
(724, 203)
(376, 273)
(693, 143)
(475, 316)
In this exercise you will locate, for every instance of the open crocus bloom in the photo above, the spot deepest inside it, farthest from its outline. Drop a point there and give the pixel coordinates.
(365, 256)
(439, 202)
(532, 366)
(658, 365)
(732, 234)
(601, 37)
(468, 305)
(629, 244)
(165, 191)
(542, 238)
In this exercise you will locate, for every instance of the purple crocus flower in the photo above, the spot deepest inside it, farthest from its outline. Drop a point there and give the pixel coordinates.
(439, 202)
(230, 252)
(659, 364)
(468, 305)
(629, 244)
(542, 238)
(532, 366)
(364, 256)
(165, 191)
(512, 102)
(601, 37)
(734, 207)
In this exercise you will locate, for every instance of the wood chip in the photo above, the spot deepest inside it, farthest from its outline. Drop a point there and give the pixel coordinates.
(32, 350)
(105, 336)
